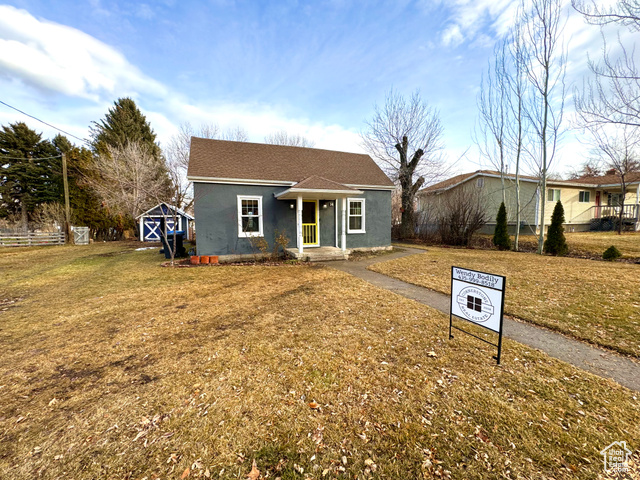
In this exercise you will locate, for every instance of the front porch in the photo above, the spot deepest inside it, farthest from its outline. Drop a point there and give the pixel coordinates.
(607, 217)
(312, 196)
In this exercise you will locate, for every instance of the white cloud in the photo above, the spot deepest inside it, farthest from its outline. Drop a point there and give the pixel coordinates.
(87, 75)
(452, 36)
(468, 19)
(54, 57)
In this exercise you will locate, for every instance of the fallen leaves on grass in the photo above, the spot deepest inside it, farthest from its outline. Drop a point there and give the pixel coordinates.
(254, 474)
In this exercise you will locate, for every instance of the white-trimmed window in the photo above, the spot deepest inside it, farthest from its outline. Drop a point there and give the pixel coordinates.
(249, 216)
(553, 194)
(480, 182)
(584, 196)
(355, 215)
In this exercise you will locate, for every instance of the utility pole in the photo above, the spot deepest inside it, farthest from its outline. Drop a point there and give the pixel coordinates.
(67, 208)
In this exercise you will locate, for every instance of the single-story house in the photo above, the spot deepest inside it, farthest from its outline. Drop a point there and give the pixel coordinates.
(590, 203)
(163, 215)
(327, 203)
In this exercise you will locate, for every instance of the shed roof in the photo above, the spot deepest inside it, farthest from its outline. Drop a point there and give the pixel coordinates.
(226, 160)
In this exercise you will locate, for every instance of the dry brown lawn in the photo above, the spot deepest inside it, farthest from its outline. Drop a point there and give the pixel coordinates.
(593, 244)
(113, 367)
(594, 301)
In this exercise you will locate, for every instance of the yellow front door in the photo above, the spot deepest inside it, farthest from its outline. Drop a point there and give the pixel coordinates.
(310, 222)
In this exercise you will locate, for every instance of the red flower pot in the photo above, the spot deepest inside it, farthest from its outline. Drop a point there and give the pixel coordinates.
(204, 259)
(195, 260)
(213, 259)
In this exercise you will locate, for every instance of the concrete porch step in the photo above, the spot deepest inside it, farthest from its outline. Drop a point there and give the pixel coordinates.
(319, 254)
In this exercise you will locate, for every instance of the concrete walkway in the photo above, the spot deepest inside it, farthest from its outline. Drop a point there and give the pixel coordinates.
(603, 363)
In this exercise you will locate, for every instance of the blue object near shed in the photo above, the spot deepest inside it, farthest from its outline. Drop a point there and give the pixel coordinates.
(150, 223)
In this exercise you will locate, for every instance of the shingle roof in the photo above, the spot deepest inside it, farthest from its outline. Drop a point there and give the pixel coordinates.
(450, 182)
(257, 161)
(582, 181)
(315, 182)
(606, 179)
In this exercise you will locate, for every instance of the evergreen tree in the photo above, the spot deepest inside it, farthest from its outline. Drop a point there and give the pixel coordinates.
(501, 234)
(124, 123)
(28, 175)
(556, 243)
(125, 128)
(87, 208)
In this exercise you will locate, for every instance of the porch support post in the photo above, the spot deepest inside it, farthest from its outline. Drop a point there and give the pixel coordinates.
(141, 229)
(335, 208)
(299, 224)
(638, 207)
(344, 224)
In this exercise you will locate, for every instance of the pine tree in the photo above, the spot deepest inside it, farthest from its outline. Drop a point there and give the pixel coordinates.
(124, 123)
(124, 127)
(87, 209)
(501, 234)
(556, 243)
(28, 175)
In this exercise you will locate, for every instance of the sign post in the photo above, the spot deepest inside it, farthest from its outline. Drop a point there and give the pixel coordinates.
(477, 297)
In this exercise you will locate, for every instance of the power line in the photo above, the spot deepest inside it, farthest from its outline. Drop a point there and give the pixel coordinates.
(2, 157)
(48, 124)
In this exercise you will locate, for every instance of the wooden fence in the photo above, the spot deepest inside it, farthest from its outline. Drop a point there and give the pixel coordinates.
(31, 239)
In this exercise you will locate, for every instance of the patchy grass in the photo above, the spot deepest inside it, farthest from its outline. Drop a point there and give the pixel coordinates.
(366, 255)
(594, 301)
(581, 244)
(113, 367)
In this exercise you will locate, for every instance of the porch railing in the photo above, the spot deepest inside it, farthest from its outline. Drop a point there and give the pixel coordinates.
(630, 211)
(309, 234)
(606, 217)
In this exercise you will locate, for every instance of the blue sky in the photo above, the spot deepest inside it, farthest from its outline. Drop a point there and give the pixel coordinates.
(314, 68)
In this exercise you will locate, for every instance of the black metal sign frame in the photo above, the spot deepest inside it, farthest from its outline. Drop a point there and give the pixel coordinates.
(452, 326)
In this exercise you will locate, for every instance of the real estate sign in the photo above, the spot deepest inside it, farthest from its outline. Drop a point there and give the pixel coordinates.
(477, 297)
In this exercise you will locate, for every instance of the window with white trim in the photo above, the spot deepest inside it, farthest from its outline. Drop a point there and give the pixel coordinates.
(584, 196)
(249, 216)
(553, 194)
(480, 182)
(355, 214)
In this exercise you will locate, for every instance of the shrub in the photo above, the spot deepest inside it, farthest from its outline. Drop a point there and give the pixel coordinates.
(280, 241)
(556, 243)
(501, 234)
(611, 253)
(459, 216)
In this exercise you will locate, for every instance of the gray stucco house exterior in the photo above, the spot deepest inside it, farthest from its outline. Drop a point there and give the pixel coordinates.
(327, 203)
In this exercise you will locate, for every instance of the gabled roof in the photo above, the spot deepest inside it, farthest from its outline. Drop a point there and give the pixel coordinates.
(317, 187)
(221, 160)
(315, 182)
(587, 182)
(170, 207)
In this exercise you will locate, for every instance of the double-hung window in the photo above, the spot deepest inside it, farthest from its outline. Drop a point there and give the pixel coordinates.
(553, 194)
(355, 211)
(584, 196)
(249, 216)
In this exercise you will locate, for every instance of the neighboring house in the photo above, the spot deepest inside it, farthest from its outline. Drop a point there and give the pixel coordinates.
(150, 223)
(327, 203)
(590, 203)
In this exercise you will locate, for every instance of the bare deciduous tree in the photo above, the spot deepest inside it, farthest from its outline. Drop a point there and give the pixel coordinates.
(492, 101)
(546, 60)
(619, 149)
(126, 176)
(282, 137)
(405, 138)
(613, 95)
(178, 148)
